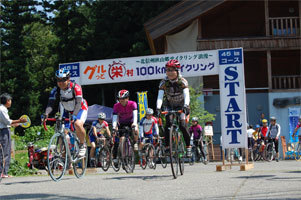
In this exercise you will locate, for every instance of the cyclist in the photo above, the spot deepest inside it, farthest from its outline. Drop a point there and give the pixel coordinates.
(264, 129)
(197, 133)
(148, 127)
(274, 133)
(71, 100)
(125, 114)
(99, 127)
(174, 89)
(296, 129)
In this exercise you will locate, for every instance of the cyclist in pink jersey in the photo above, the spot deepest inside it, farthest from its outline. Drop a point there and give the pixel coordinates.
(125, 114)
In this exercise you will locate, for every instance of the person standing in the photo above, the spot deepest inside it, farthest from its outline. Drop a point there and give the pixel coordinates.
(274, 133)
(5, 124)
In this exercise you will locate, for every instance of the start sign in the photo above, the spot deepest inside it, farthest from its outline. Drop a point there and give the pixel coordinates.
(232, 98)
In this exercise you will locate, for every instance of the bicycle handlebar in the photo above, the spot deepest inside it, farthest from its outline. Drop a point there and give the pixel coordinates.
(171, 111)
(54, 120)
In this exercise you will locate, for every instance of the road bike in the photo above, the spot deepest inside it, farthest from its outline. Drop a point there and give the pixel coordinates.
(147, 154)
(125, 153)
(176, 145)
(60, 155)
(103, 154)
(196, 152)
(160, 152)
(269, 151)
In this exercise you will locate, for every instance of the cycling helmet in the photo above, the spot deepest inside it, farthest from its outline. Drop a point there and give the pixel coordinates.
(264, 121)
(62, 74)
(123, 94)
(273, 118)
(173, 63)
(194, 119)
(257, 126)
(149, 111)
(101, 115)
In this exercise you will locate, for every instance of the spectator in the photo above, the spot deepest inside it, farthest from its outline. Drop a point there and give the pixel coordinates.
(250, 132)
(264, 129)
(256, 133)
(274, 133)
(5, 124)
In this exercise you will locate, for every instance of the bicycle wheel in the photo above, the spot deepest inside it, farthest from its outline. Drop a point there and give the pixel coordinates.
(80, 164)
(2, 162)
(105, 158)
(268, 153)
(143, 161)
(173, 151)
(57, 157)
(193, 156)
(181, 154)
(129, 156)
(115, 163)
(151, 157)
(162, 156)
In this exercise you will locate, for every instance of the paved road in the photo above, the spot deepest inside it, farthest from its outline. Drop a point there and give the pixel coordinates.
(266, 181)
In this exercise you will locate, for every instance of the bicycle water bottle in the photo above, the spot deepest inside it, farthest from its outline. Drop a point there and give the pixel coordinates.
(71, 142)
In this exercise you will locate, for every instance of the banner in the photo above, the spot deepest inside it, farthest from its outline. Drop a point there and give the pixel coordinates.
(197, 63)
(142, 104)
(232, 98)
(293, 117)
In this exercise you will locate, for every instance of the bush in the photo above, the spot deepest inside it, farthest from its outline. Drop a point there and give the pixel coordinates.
(18, 169)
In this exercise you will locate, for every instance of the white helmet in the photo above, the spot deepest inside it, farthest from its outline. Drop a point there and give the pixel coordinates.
(101, 115)
(149, 111)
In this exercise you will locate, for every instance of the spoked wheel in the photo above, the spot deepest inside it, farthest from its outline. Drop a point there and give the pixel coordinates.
(128, 157)
(57, 157)
(181, 155)
(2, 162)
(115, 163)
(105, 158)
(151, 157)
(269, 152)
(162, 156)
(143, 161)
(80, 165)
(173, 151)
(193, 156)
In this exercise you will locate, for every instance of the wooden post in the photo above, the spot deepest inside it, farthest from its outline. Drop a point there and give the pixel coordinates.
(269, 63)
(247, 155)
(266, 14)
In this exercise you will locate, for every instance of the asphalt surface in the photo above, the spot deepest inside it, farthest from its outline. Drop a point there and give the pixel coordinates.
(267, 180)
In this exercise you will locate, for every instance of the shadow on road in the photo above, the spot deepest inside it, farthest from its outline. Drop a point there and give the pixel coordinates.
(261, 176)
(155, 177)
(45, 196)
(29, 182)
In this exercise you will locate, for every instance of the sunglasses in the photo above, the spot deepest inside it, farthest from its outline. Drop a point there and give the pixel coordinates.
(61, 79)
(170, 70)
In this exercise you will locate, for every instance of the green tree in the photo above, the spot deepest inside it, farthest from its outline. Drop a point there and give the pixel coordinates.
(197, 108)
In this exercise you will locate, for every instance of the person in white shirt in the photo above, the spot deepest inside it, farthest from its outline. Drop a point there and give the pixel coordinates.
(250, 132)
(5, 138)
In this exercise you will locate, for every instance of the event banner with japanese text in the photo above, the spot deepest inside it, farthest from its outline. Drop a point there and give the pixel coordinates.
(232, 98)
(198, 63)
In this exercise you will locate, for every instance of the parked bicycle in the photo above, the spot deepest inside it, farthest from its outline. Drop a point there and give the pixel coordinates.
(60, 156)
(176, 145)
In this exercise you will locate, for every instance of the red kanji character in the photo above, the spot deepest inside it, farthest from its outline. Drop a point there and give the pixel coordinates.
(130, 72)
(92, 71)
(117, 71)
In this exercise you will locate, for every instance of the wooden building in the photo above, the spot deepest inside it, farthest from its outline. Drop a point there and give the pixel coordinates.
(268, 31)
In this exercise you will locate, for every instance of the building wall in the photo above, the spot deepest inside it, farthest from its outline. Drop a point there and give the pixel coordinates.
(281, 114)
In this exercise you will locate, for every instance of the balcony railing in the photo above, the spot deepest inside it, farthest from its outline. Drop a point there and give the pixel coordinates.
(284, 26)
(286, 82)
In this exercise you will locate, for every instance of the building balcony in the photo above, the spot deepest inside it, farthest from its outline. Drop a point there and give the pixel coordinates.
(286, 82)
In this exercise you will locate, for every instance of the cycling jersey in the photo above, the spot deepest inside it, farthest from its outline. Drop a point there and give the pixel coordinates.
(125, 113)
(99, 130)
(68, 97)
(174, 92)
(197, 131)
(264, 131)
(148, 127)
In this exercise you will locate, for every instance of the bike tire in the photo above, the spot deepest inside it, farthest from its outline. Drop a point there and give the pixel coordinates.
(143, 161)
(105, 158)
(80, 166)
(2, 162)
(173, 151)
(116, 167)
(268, 154)
(181, 154)
(162, 156)
(57, 157)
(129, 157)
(151, 156)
